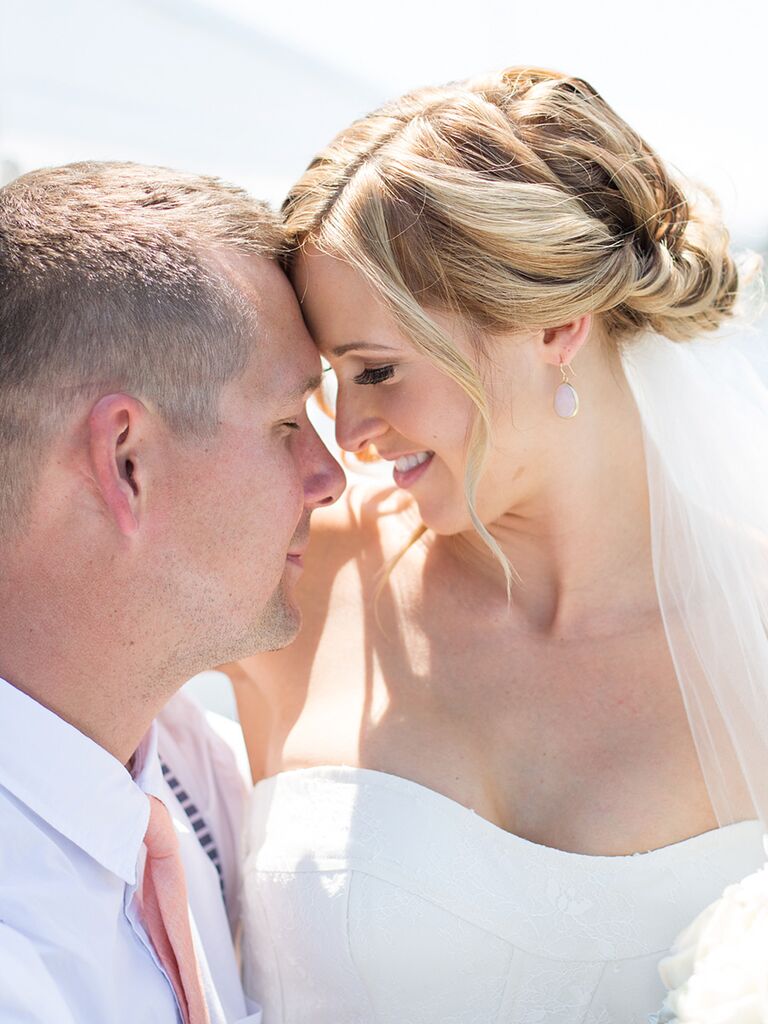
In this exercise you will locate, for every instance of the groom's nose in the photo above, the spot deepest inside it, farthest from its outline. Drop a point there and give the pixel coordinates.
(323, 477)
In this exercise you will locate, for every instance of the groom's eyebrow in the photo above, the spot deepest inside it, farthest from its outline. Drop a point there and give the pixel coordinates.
(309, 385)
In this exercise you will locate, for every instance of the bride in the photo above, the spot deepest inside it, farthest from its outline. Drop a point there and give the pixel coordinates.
(519, 743)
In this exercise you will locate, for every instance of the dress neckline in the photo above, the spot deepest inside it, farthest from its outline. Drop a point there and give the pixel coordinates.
(347, 773)
(328, 822)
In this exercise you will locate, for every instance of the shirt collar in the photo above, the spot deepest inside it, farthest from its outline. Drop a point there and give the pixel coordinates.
(147, 769)
(73, 784)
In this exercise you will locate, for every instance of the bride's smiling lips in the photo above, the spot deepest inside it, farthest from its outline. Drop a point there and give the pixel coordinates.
(409, 466)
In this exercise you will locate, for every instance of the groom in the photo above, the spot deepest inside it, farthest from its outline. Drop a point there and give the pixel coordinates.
(157, 476)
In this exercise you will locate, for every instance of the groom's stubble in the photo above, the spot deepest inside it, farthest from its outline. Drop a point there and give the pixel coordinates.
(275, 625)
(280, 621)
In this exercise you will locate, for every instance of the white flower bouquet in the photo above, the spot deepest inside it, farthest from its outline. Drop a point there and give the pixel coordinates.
(717, 971)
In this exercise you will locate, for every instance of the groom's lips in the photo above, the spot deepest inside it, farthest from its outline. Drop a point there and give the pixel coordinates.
(300, 539)
(296, 558)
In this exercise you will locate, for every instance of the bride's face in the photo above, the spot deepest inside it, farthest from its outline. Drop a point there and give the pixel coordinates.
(394, 397)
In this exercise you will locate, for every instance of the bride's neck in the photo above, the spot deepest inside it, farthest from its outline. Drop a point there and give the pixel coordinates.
(580, 544)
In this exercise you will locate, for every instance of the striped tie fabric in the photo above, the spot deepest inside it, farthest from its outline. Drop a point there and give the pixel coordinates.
(196, 820)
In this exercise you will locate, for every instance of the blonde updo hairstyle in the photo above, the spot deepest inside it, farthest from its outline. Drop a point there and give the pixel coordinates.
(517, 200)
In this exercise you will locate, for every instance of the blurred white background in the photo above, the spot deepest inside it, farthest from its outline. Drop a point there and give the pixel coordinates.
(250, 90)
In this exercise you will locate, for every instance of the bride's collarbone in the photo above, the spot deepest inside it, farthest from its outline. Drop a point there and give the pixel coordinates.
(575, 744)
(592, 768)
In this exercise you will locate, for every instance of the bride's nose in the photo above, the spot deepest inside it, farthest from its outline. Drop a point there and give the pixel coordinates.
(354, 429)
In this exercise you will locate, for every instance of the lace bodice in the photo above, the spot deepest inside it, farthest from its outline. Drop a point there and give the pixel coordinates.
(369, 898)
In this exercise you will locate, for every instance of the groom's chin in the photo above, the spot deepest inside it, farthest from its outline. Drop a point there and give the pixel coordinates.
(286, 636)
(279, 623)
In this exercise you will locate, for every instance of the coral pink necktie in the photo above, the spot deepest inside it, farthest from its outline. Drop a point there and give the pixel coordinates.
(166, 913)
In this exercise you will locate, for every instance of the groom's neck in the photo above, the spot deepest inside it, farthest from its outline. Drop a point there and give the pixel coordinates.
(85, 663)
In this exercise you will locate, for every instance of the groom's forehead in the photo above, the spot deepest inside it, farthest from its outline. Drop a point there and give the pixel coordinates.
(275, 323)
(285, 363)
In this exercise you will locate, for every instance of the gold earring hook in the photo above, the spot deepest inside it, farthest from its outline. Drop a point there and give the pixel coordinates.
(565, 370)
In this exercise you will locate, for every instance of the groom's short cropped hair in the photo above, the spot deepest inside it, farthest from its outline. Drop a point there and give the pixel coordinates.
(110, 281)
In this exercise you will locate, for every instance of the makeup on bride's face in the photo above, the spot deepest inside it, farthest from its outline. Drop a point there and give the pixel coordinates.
(394, 397)
(389, 395)
(409, 428)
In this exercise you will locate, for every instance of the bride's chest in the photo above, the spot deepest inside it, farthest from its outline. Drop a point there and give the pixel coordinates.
(572, 744)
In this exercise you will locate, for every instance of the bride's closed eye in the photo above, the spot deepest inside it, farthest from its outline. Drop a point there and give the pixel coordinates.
(375, 375)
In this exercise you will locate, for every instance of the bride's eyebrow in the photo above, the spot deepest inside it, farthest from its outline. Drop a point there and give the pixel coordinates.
(358, 346)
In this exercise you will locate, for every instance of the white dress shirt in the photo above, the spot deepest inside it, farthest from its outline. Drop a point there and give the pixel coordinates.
(72, 822)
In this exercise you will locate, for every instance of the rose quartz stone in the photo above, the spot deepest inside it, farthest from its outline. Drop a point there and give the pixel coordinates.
(566, 401)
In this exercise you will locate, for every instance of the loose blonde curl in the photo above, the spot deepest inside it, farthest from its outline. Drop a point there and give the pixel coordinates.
(517, 200)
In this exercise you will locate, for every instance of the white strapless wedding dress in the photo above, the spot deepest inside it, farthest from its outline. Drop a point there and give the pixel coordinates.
(369, 899)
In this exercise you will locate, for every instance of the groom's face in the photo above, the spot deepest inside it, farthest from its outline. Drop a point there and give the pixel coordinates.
(243, 501)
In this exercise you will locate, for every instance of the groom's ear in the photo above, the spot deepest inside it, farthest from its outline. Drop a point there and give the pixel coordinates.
(115, 429)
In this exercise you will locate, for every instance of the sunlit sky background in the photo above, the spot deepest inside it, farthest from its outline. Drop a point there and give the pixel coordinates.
(251, 89)
(690, 76)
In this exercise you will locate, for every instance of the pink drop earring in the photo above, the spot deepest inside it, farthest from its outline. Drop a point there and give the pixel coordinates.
(566, 397)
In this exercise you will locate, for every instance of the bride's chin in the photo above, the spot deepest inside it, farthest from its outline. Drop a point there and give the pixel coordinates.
(445, 522)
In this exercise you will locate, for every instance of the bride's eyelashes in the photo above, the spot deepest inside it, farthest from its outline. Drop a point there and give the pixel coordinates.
(375, 375)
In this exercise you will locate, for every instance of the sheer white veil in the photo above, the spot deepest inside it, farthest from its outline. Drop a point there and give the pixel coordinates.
(704, 409)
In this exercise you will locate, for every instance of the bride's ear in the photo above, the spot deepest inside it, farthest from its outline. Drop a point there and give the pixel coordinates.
(560, 345)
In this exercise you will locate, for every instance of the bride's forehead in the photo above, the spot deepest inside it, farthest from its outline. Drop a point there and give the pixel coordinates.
(345, 314)
(318, 276)
(340, 318)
